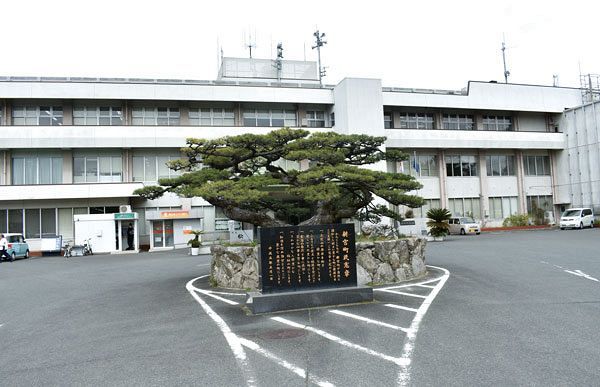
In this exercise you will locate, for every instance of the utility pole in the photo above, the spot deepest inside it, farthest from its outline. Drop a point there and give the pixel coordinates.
(320, 41)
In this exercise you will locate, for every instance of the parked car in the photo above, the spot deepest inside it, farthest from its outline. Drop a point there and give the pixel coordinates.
(577, 218)
(464, 225)
(17, 246)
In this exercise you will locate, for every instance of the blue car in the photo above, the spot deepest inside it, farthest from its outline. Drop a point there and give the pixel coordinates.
(17, 246)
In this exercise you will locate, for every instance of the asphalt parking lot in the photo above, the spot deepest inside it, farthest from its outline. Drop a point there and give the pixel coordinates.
(517, 308)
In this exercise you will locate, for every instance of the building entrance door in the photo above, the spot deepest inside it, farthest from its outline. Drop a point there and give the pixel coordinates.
(162, 234)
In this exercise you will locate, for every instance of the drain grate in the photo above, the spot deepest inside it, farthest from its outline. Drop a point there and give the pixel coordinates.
(280, 334)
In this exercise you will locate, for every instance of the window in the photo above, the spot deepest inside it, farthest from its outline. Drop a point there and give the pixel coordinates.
(461, 166)
(422, 165)
(501, 123)
(416, 121)
(537, 165)
(28, 170)
(388, 120)
(428, 204)
(458, 122)
(97, 169)
(332, 119)
(315, 119)
(500, 165)
(503, 207)
(263, 117)
(151, 168)
(212, 117)
(15, 220)
(464, 207)
(37, 115)
(155, 116)
(89, 115)
(543, 202)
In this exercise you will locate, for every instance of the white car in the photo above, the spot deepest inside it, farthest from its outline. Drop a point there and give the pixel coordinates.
(577, 218)
(464, 225)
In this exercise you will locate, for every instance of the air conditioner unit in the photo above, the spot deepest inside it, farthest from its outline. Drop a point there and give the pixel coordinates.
(124, 208)
(304, 122)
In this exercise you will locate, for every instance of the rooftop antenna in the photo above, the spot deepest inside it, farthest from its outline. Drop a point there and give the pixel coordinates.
(506, 72)
(278, 61)
(555, 80)
(320, 41)
(250, 43)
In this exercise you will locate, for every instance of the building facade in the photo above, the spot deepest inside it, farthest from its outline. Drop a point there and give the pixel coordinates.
(72, 146)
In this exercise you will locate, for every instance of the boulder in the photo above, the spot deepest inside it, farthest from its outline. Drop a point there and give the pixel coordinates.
(384, 274)
(362, 276)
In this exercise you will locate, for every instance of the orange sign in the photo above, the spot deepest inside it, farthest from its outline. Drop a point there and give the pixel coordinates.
(174, 214)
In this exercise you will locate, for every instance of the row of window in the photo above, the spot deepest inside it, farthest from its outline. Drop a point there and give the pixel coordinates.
(27, 170)
(499, 207)
(463, 165)
(165, 116)
(449, 122)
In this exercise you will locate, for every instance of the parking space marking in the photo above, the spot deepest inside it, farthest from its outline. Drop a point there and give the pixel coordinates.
(404, 361)
(236, 343)
(339, 340)
(581, 274)
(401, 307)
(368, 320)
(284, 363)
(411, 335)
(231, 338)
(209, 293)
(401, 293)
(577, 272)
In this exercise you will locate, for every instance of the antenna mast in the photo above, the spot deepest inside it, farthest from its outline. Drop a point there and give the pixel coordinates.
(250, 44)
(278, 61)
(319, 43)
(506, 72)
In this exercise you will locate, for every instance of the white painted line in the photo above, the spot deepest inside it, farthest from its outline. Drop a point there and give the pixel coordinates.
(403, 293)
(232, 339)
(297, 370)
(368, 320)
(426, 286)
(340, 341)
(581, 274)
(544, 262)
(203, 264)
(559, 267)
(411, 335)
(209, 293)
(401, 307)
(226, 294)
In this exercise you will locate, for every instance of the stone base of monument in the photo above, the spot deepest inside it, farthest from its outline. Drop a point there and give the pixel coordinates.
(274, 302)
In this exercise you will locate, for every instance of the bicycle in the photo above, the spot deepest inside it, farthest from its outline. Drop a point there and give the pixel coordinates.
(87, 247)
(68, 248)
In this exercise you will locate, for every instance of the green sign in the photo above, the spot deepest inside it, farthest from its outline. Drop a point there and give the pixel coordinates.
(126, 215)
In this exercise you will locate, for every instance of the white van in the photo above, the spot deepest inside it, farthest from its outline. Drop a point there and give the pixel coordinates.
(463, 225)
(577, 218)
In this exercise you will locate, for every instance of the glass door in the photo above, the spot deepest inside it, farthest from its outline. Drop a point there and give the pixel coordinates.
(157, 233)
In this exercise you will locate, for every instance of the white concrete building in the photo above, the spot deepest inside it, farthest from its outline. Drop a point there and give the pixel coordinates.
(73, 146)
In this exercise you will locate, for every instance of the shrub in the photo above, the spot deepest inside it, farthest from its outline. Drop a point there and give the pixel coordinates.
(516, 220)
(195, 241)
(438, 222)
(409, 214)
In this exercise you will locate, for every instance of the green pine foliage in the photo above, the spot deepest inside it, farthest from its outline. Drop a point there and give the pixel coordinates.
(242, 176)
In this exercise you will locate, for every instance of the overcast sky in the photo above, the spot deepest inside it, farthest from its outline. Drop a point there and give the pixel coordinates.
(421, 44)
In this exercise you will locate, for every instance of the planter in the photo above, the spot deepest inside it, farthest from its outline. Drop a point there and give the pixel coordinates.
(194, 250)
(438, 239)
(378, 262)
